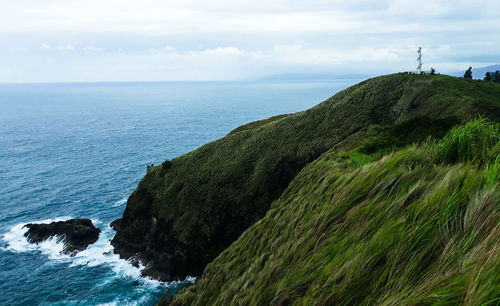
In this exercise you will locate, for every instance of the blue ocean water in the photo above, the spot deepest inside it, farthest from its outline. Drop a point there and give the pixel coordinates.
(79, 150)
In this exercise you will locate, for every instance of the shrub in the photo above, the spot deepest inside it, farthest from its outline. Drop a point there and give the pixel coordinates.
(468, 74)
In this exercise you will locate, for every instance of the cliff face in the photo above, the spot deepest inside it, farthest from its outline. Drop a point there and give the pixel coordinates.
(185, 212)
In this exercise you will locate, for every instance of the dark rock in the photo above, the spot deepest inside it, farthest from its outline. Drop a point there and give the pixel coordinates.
(115, 225)
(155, 274)
(77, 234)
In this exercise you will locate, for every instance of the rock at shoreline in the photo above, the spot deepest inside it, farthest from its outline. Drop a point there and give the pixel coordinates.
(77, 234)
(115, 225)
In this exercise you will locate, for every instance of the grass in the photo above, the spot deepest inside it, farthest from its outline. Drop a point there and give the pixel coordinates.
(257, 124)
(493, 171)
(468, 143)
(183, 214)
(414, 226)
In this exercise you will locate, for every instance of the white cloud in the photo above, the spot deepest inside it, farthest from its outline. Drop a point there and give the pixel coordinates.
(297, 54)
(222, 51)
(65, 49)
(61, 48)
(175, 17)
(220, 39)
(45, 47)
(92, 49)
(163, 49)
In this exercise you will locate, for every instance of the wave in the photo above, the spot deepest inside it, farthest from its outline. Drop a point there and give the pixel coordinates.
(120, 202)
(97, 254)
(16, 241)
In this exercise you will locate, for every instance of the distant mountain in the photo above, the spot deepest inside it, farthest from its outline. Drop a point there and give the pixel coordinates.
(313, 76)
(479, 72)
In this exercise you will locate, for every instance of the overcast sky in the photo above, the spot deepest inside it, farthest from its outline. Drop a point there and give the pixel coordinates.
(150, 40)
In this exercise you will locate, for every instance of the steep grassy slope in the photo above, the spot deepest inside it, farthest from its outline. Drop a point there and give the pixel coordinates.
(417, 226)
(185, 212)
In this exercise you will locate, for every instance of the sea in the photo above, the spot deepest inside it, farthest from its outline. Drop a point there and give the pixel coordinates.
(77, 150)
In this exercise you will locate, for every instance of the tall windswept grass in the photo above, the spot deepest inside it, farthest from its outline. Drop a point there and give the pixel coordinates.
(204, 200)
(470, 142)
(492, 172)
(416, 226)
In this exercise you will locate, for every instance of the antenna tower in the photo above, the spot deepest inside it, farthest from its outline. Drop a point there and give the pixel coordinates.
(419, 60)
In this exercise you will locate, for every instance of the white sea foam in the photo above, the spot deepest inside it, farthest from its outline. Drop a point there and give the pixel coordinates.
(98, 253)
(18, 243)
(121, 301)
(120, 202)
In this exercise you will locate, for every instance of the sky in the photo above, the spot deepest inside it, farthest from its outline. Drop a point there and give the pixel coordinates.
(194, 40)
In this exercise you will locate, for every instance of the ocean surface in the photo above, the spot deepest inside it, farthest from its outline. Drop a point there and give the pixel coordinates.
(78, 151)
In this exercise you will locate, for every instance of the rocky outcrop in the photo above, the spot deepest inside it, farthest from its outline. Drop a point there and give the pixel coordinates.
(77, 234)
(115, 225)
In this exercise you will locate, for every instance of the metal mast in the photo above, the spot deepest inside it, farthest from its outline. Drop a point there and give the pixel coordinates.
(419, 60)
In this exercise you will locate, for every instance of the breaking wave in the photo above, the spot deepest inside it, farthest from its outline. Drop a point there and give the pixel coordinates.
(96, 254)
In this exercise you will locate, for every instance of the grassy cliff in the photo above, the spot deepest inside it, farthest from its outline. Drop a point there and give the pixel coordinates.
(185, 212)
(419, 225)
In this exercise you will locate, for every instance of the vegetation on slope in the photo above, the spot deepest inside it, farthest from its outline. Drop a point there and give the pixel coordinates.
(185, 212)
(419, 225)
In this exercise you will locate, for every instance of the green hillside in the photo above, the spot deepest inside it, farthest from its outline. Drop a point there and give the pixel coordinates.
(187, 211)
(417, 226)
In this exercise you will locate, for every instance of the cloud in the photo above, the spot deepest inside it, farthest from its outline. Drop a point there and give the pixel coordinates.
(167, 48)
(222, 51)
(61, 48)
(66, 48)
(90, 40)
(45, 47)
(176, 17)
(92, 49)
